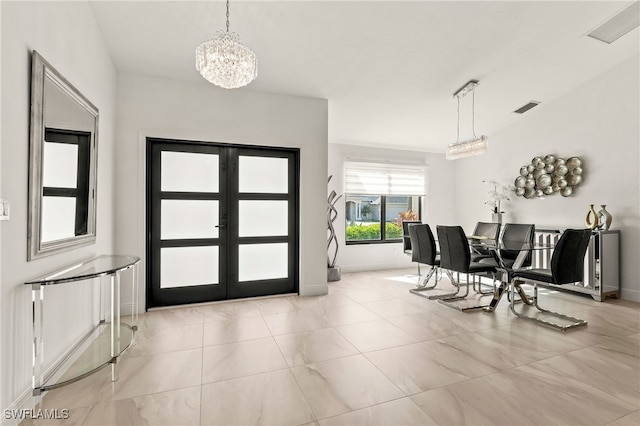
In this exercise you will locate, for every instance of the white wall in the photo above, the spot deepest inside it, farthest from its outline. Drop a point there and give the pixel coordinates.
(438, 208)
(165, 108)
(66, 35)
(2, 391)
(598, 122)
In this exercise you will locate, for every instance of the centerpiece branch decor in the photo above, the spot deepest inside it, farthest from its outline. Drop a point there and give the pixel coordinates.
(497, 195)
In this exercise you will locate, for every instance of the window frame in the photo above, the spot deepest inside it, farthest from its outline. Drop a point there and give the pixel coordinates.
(81, 192)
(383, 213)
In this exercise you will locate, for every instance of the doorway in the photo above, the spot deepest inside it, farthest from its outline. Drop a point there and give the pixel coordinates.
(222, 221)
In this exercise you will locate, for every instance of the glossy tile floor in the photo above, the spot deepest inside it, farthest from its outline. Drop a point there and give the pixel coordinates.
(369, 353)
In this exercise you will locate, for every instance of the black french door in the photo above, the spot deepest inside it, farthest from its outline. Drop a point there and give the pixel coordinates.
(222, 222)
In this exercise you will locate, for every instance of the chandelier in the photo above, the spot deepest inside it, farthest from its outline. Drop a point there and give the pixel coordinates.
(226, 62)
(475, 146)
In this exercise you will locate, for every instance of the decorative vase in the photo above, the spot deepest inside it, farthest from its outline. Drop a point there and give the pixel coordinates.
(591, 220)
(496, 217)
(604, 217)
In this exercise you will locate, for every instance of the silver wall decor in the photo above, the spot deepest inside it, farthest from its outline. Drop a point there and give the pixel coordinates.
(548, 175)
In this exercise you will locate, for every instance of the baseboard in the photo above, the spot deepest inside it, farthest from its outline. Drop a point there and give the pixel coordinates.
(25, 402)
(314, 290)
(377, 267)
(632, 295)
(126, 309)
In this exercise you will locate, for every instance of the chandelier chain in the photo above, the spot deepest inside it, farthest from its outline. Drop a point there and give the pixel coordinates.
(227, 15)
(458, 128)
(473, 113)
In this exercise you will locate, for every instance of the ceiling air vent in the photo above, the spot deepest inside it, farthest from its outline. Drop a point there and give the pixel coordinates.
(618, 25)
(526, 107)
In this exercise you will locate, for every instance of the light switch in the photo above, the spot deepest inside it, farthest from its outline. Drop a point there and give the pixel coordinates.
(4, 209)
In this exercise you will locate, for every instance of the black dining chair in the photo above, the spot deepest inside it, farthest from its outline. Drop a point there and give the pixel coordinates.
(484, 229)
(514, 233)
(423, 251)
(406, 239)
(567, 266)
(455, 256)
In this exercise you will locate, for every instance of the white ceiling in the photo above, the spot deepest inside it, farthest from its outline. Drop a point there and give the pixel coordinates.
(388, 69)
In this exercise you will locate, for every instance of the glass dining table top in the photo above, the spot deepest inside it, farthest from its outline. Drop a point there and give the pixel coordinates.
(509, 245)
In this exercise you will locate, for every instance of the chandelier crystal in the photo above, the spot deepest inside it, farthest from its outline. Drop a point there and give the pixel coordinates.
(468, 148)
(226, 62)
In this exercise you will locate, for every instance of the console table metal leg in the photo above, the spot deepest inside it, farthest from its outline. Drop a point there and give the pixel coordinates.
(115, 324)
(134, 300)
(37, 295)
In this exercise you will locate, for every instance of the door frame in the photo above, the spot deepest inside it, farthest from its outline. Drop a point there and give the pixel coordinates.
(231, 241)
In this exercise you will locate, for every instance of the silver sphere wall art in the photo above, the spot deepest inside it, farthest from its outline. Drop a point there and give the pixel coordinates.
(548, 175)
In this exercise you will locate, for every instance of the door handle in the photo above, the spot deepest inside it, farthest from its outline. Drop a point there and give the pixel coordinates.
(221, 226)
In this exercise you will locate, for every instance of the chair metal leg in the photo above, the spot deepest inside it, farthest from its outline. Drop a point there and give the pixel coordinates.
(576, 322)
(448, 301)
(479, 289)
(459, 284)
(524, 297)
(422, 286)
(446, 295)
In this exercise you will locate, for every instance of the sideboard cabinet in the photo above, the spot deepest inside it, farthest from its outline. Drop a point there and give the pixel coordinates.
(601, 266)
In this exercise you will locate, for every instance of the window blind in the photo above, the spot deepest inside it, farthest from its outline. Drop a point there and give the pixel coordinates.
(383, 179)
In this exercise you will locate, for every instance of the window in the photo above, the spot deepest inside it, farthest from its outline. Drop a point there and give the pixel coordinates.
(65, 184)
(378, 197)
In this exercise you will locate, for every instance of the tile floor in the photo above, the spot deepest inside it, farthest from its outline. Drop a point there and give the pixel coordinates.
(370, 353)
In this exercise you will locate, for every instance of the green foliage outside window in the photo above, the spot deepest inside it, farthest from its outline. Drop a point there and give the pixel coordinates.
(393, 230)
(357, 232)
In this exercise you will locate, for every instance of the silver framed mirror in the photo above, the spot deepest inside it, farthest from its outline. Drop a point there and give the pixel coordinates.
(62, 164)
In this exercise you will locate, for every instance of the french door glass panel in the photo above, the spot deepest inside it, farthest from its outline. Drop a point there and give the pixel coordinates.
(263, 218)
(182, 219)
(263, 175)
(60, 170)
(58, 218)
(188, 266)
(188, 171)
(262, 261)
(191, 175)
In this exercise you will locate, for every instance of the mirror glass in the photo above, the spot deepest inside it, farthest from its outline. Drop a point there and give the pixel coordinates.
(62, 169)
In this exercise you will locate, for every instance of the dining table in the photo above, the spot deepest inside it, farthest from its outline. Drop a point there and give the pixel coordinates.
(497, 249)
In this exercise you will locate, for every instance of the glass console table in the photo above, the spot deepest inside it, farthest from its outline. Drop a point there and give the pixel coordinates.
(108, 339)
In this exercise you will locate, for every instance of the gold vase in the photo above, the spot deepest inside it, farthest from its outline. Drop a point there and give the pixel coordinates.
(591, 220)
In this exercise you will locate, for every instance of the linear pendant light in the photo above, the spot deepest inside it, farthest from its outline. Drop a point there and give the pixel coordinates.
(471, 147)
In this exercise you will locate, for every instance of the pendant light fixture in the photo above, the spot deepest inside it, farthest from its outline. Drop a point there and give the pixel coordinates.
(475, 146)
(226, 62)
